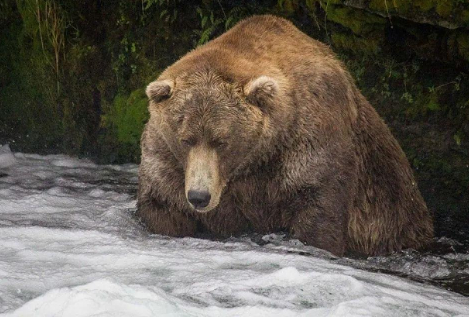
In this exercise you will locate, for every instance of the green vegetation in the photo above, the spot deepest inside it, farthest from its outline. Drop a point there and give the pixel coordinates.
(124, 121)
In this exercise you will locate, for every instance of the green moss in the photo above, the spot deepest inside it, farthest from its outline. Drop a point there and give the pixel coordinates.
(288, 7)
(444, 7)
(132, 115)
(124, 122)
(355, 44)
(389, 6)
(424, 5)
(360, 22)
(462, 40)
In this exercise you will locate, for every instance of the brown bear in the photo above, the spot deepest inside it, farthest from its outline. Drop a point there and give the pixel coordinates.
(263, 130)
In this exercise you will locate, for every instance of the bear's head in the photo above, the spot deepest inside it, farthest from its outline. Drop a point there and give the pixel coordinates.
(213, 126)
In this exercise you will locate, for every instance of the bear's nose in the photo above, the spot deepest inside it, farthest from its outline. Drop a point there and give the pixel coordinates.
(199, 199)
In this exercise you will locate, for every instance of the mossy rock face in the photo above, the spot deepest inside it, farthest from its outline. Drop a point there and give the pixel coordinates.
(353, 43)
(450, 14)
(432, 29)
(358, 21)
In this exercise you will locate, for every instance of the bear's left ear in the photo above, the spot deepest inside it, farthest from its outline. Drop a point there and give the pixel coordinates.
(261, 90)
(159, 90)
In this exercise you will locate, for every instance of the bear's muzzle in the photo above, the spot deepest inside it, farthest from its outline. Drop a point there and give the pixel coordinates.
(203, 184)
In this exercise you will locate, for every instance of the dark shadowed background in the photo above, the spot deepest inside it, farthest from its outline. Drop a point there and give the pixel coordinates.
(72, 75)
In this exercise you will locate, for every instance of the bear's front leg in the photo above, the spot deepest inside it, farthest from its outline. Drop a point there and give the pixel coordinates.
(322, 222)
(314, 227)
(165, 220)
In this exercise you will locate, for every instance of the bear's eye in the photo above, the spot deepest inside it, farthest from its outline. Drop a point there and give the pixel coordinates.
(189, 142)
(217, 143)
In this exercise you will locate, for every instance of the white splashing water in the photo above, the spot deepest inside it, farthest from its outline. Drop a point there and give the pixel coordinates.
(70, 246)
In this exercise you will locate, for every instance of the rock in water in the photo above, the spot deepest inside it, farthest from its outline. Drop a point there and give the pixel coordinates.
(6, 157)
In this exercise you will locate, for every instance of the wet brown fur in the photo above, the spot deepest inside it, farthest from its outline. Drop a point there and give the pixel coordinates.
(315, 159)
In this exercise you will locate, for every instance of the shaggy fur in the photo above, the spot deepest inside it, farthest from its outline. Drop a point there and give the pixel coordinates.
(295, 147)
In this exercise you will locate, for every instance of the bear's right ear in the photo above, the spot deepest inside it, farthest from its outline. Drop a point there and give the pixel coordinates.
(261, 90)
(159, 90)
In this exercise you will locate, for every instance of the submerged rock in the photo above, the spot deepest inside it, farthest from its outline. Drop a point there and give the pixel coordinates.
(6, 158)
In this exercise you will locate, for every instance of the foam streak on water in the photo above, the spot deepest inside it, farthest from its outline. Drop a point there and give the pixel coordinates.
(70, 246)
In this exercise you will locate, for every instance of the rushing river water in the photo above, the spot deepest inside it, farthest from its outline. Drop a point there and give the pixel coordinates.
(71, 246)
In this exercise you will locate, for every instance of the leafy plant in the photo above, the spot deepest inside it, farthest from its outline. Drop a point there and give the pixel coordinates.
(208, 24)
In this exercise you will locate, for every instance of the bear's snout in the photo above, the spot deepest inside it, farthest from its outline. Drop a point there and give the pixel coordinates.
(199, 199)
(203, 183)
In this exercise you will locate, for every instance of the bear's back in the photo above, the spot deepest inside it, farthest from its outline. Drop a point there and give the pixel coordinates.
(257, 46)
(268, 36)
